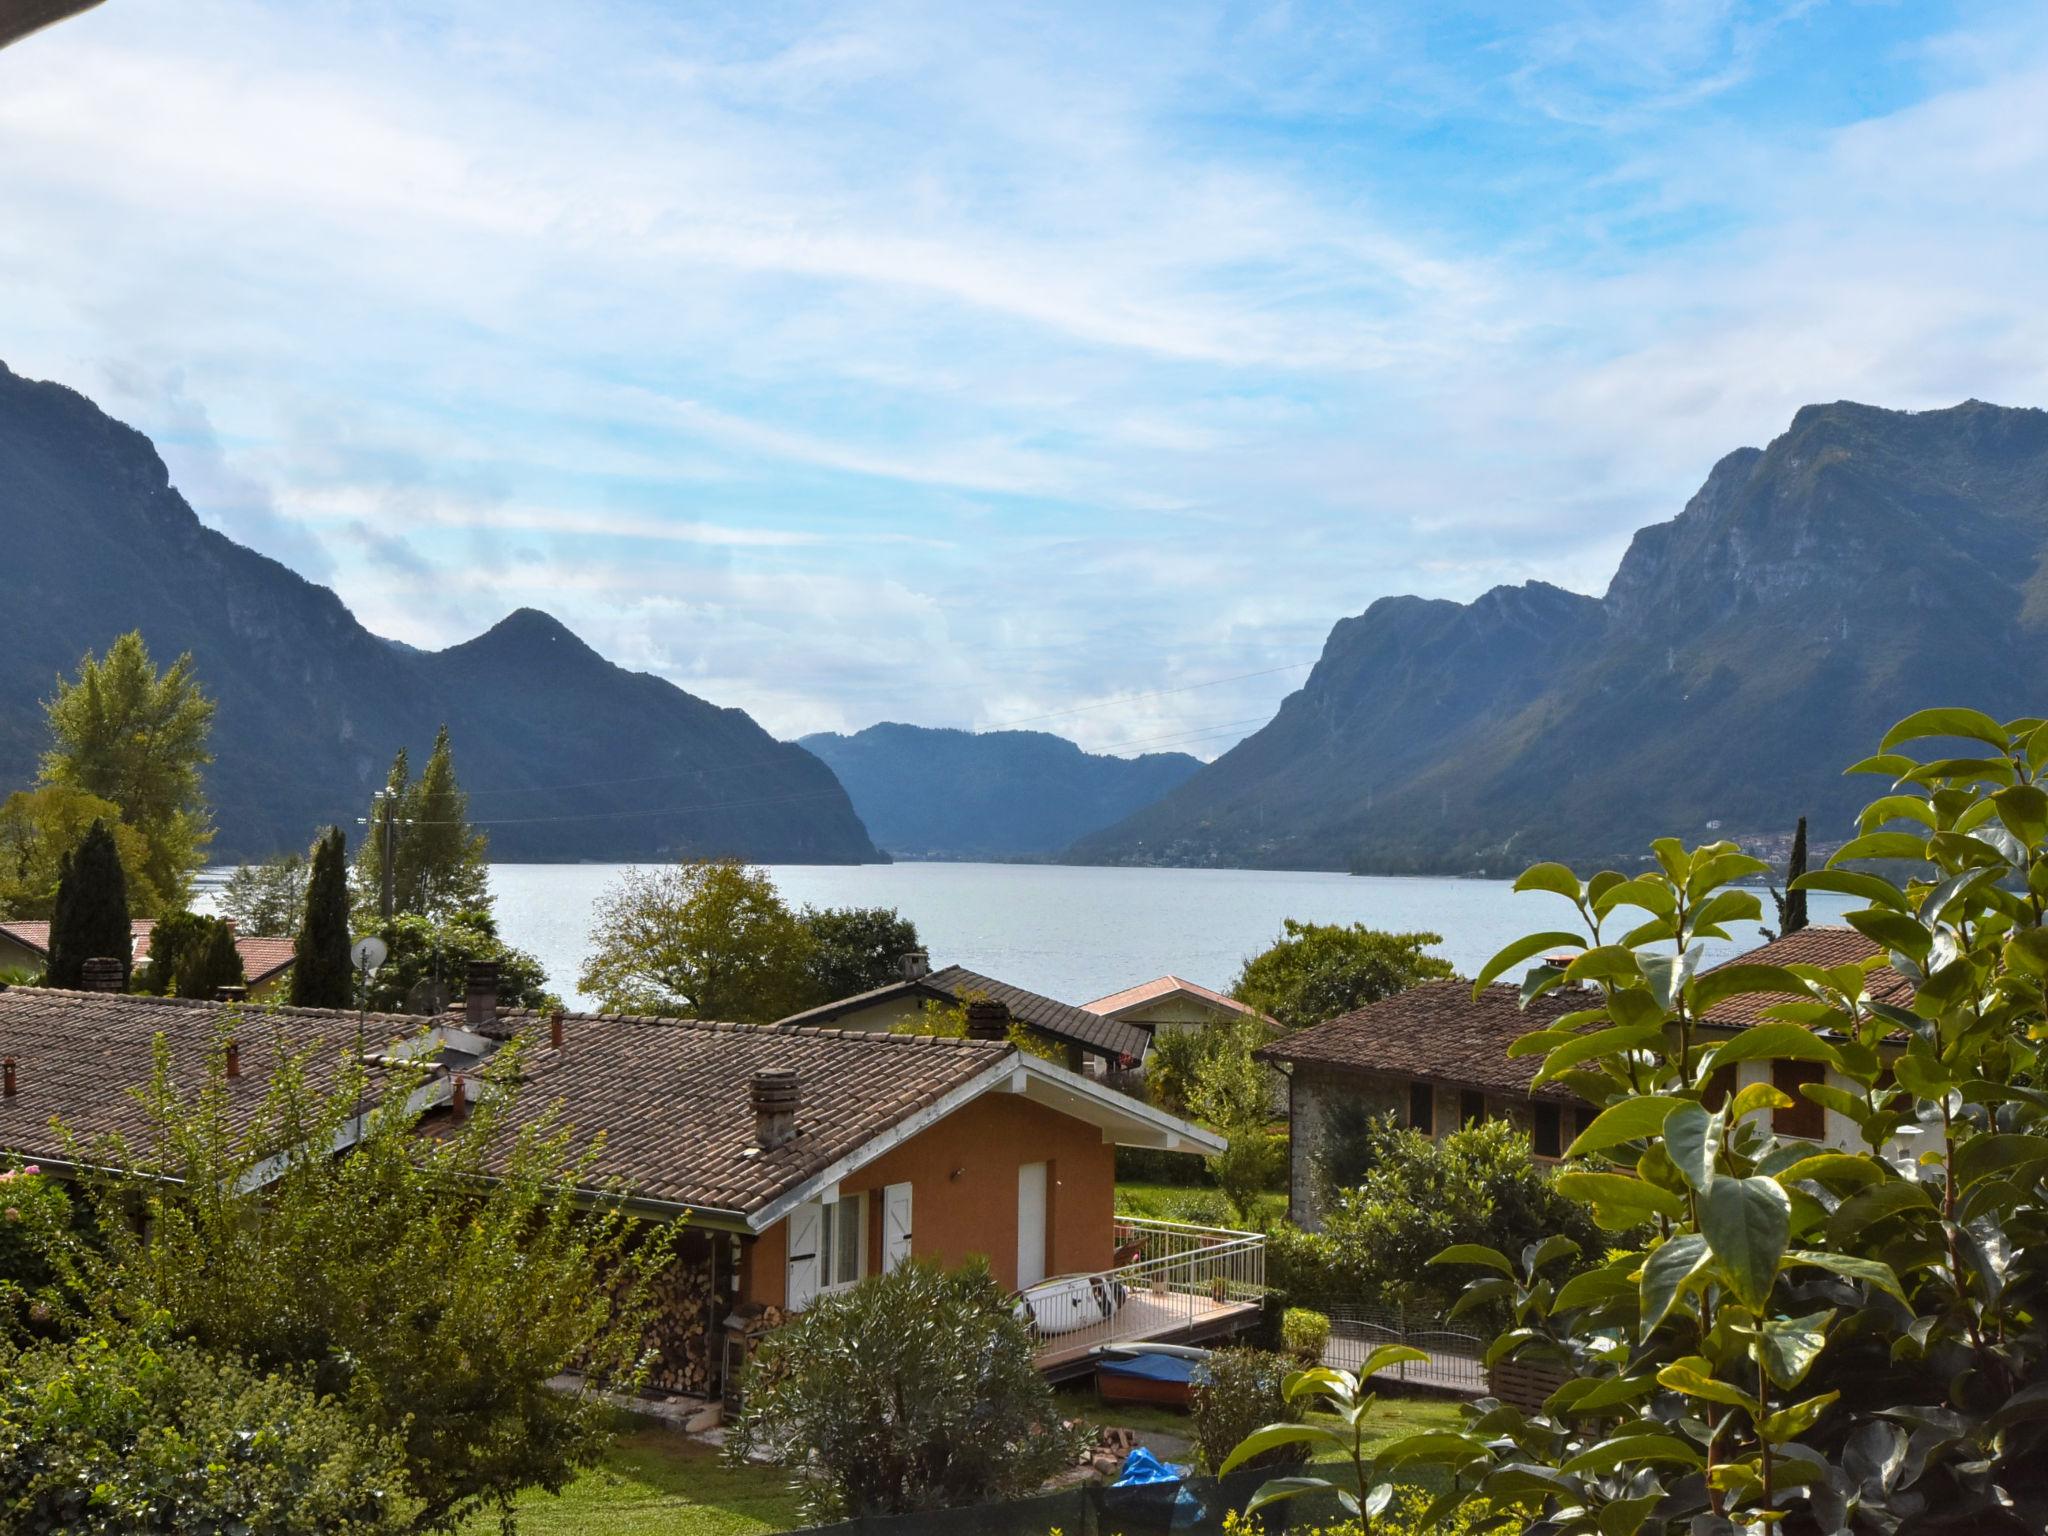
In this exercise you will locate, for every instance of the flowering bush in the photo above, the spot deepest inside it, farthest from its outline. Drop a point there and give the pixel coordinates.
(35, 1214)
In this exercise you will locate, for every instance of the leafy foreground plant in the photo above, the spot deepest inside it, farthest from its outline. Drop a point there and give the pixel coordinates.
(1813, 1339)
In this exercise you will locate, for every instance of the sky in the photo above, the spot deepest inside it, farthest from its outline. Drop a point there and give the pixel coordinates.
(1073, 367)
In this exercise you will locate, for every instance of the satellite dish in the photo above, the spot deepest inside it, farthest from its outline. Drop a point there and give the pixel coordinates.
(427, 997)
(368, 953)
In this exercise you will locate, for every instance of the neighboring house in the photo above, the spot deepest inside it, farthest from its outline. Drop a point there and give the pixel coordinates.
(1087, 1037)
(798, 1159)
(1172, 1002)
(1435, 1057)
(266, 962)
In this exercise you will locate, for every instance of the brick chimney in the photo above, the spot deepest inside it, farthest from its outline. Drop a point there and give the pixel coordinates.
(480, 1000)
(103, 973)
(555, 1029)
(915, 966)
(776, 1095)
(987, 1020)
(458, 1098)
(234, 1054)
(7, 1078)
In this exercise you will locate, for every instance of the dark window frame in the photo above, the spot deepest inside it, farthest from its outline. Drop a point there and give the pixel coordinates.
(1422, 1108)
(1546, 1124)
(1471, 1108)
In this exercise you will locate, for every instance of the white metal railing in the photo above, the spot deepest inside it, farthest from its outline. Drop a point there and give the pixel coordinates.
(1176, 1277)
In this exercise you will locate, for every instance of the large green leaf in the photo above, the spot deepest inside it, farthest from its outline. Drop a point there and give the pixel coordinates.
(1742, 980)
(1667, 1272)
(1881, 845)
(1618, 1192)
(1476, 1253)
(1969, 723)
(1643, 892)
(1279, 1488)
(1790, 1423)
(1694, 1376)
(1628, 1450)
(1747, 1223)
(1849, 1267)
(1878, 1203)
(1602, 1042)
(1633, 1119)
(2024, 810)
(1273, 1436)
(1525, 948)
(1982, 1156)
(1768, 1042)
(1854, 882)
(1692, 1140)
(1894, 930)
(1549, 877)
(1790, 1345)
(1442, 1445)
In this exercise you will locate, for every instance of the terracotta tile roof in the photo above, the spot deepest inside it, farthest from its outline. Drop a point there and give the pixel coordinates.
(1164, 987)
(1435, 1032)
(81, 1056)
(1060, 1021)
(1825, 945)
(262, 957)
(672, 1097)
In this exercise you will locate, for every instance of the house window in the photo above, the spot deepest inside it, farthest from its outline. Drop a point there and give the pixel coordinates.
(1422, 1108)
(1582, 1117)
(1547, 1135)
(1471, 1108)
(842, 1243)
(1804, 1118)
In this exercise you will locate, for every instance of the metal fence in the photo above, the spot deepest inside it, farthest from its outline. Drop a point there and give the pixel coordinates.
(1177, 1280)
(1456, 1359)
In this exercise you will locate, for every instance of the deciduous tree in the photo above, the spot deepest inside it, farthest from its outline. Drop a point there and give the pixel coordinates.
(128, 734)
(38, 827)
(709, 939)
(439, 863)
(855, 949)
(427, 962)
(1316, 971)
(267, 898)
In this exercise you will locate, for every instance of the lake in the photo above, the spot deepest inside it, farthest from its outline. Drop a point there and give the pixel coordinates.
(1077, 933)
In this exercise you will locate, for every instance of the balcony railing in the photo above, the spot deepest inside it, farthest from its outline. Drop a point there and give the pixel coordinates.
(1178, 1281)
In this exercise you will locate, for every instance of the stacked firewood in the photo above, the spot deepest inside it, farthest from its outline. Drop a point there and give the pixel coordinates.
(1112, 1445)
(683, 1332)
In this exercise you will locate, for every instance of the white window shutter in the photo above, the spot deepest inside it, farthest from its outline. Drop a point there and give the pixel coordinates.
(806, 1234)
(895, 1226)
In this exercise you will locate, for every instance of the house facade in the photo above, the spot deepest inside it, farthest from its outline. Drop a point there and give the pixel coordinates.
(798, 1159)
(1173, 1002)
(1435, 1057)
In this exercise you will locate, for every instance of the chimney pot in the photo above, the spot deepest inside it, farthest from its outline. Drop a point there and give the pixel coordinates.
(555, 1029)
(458, 1098)
(234, 1059)
(916, 965)
(987, 1020)
(776, 1095)
(104, 973)
(7, 1078)
(480, 1000)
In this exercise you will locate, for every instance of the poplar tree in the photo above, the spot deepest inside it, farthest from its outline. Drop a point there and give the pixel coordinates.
(129, 734)
(90, 919)
(442, 866)
(322, 976)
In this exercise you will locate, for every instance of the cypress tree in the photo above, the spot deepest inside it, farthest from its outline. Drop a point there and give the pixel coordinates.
(211, 963)
(321, 976)
(172, 944)
(1795, 899)
(90, 918)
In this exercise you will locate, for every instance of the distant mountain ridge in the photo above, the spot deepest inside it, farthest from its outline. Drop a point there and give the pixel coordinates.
(567, 756)
(1867, 563)
(946, 794)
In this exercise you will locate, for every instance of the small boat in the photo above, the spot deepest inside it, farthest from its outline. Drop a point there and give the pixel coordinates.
(1163, 1375)
(1069, 1303)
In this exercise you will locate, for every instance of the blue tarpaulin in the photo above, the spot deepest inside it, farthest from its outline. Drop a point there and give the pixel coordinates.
(1142, 1467)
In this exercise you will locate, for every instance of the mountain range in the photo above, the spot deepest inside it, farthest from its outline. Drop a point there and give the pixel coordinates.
(1866, 564)
(566, 756)
(945, 794)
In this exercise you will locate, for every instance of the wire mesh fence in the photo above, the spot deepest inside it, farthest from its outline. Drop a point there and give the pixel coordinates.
(1456, 1359)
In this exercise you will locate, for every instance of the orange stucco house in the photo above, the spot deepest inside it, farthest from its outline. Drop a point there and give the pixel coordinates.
(799, 1159)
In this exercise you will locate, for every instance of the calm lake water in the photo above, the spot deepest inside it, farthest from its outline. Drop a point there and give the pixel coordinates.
(1081, 933)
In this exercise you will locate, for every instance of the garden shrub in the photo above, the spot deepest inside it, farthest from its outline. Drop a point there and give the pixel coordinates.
(1242, 1390)
(1306, 1334)
(122, 1435)
(916, 1389)
(35, 1216)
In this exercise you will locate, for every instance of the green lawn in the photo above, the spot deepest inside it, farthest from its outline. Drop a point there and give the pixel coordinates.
(1167, 1202)
(657, 1483)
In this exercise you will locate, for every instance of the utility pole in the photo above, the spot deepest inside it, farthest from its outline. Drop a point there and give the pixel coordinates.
(384, 900)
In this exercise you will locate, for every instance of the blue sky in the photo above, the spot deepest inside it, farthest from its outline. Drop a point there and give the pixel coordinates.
(973, 365)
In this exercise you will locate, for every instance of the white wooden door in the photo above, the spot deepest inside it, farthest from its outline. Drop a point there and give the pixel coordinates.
(1030, 1224)
(806, 1231)
(895, 1226)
